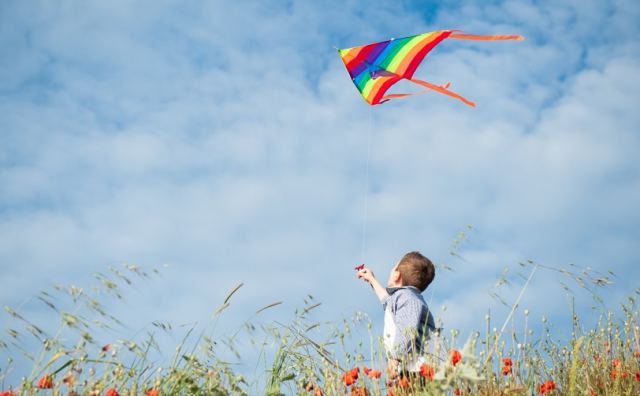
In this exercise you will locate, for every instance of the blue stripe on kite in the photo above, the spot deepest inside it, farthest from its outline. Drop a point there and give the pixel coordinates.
(361, 76)
(392, 45)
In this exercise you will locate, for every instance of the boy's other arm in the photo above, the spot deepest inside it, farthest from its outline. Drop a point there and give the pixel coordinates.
(367, 275)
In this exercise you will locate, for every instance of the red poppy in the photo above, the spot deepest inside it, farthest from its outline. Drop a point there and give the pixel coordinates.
(457, 392)
(507, 361)
(106, 347)
(375, 374)
(349, 380)
(366, 370)
(403, 382)
(6, 393)
(359, 391)
(351, 376)
(153, 392)
(638, 376)
(547, 387)
(506, 370)
(456, 357)
(317, 392)
(359, 267)
(46, 382)
(636, 354)
(615, 362)
(309, 387)
(427, 371)
(111, 392)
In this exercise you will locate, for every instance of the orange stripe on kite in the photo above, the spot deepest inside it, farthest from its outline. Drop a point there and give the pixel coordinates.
(406, 62)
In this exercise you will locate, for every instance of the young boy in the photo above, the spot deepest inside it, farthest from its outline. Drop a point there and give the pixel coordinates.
(407, 319)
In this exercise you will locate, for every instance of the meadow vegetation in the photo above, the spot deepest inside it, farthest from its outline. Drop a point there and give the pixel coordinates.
(305, 357)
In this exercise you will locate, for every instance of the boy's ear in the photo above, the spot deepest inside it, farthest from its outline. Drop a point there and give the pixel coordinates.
(397, 278)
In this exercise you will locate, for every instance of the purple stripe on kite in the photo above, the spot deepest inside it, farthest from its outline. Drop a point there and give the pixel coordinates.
(373, 55)
(383, 55)
(357, 70)
(362, 55)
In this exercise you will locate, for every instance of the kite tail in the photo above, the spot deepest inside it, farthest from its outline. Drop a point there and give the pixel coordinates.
(404, 95)
(442, 90)
(462, 36)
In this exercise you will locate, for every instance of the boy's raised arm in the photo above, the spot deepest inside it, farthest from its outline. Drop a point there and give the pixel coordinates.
(366, 274)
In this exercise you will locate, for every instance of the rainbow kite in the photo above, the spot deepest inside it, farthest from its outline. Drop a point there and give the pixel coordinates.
(374, 68)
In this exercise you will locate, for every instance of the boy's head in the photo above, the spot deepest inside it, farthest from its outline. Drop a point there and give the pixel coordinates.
(413, 269)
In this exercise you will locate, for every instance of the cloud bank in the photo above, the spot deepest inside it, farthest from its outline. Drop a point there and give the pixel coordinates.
(226, 140)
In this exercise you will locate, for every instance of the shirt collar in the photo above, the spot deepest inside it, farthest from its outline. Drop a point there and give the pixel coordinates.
(392, 290)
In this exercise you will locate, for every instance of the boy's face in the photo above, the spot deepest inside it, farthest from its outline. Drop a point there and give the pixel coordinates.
(394, 277)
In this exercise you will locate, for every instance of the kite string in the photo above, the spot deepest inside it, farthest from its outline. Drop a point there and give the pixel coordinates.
(366, 190)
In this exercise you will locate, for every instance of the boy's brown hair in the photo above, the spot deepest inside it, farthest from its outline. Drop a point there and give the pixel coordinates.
(416, 270)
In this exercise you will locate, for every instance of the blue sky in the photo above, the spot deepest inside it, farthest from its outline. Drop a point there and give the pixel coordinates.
(225, 140)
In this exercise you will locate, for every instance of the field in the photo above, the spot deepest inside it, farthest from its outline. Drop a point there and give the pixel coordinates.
(310, 358)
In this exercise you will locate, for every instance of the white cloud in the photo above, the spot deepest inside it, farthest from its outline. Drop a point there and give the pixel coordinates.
(228, 141)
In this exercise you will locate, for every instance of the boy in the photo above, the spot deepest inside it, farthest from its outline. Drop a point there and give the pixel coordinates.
(407, 319)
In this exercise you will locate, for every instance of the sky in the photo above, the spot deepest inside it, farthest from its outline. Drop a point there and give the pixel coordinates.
(224, 142)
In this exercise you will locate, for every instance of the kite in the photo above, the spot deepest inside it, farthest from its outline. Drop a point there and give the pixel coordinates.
(374, 68)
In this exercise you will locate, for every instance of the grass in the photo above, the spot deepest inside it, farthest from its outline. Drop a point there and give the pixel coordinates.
(310, 358)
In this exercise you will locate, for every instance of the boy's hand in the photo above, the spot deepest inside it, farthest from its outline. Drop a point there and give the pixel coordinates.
(366, 274)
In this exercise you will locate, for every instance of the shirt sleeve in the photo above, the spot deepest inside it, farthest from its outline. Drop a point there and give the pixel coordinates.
(384, 301)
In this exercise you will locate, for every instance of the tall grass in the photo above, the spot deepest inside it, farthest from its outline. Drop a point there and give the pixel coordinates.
(303, 356)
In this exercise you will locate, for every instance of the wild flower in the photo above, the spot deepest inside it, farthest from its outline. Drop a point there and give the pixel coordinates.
(456, 357)
(111, 392)
(351, 376)
(507, 364)
(403, 382)
(375, 374)
(69, 379)
(427, 371)
(547, 387)
(359, 391)
(46, 382)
